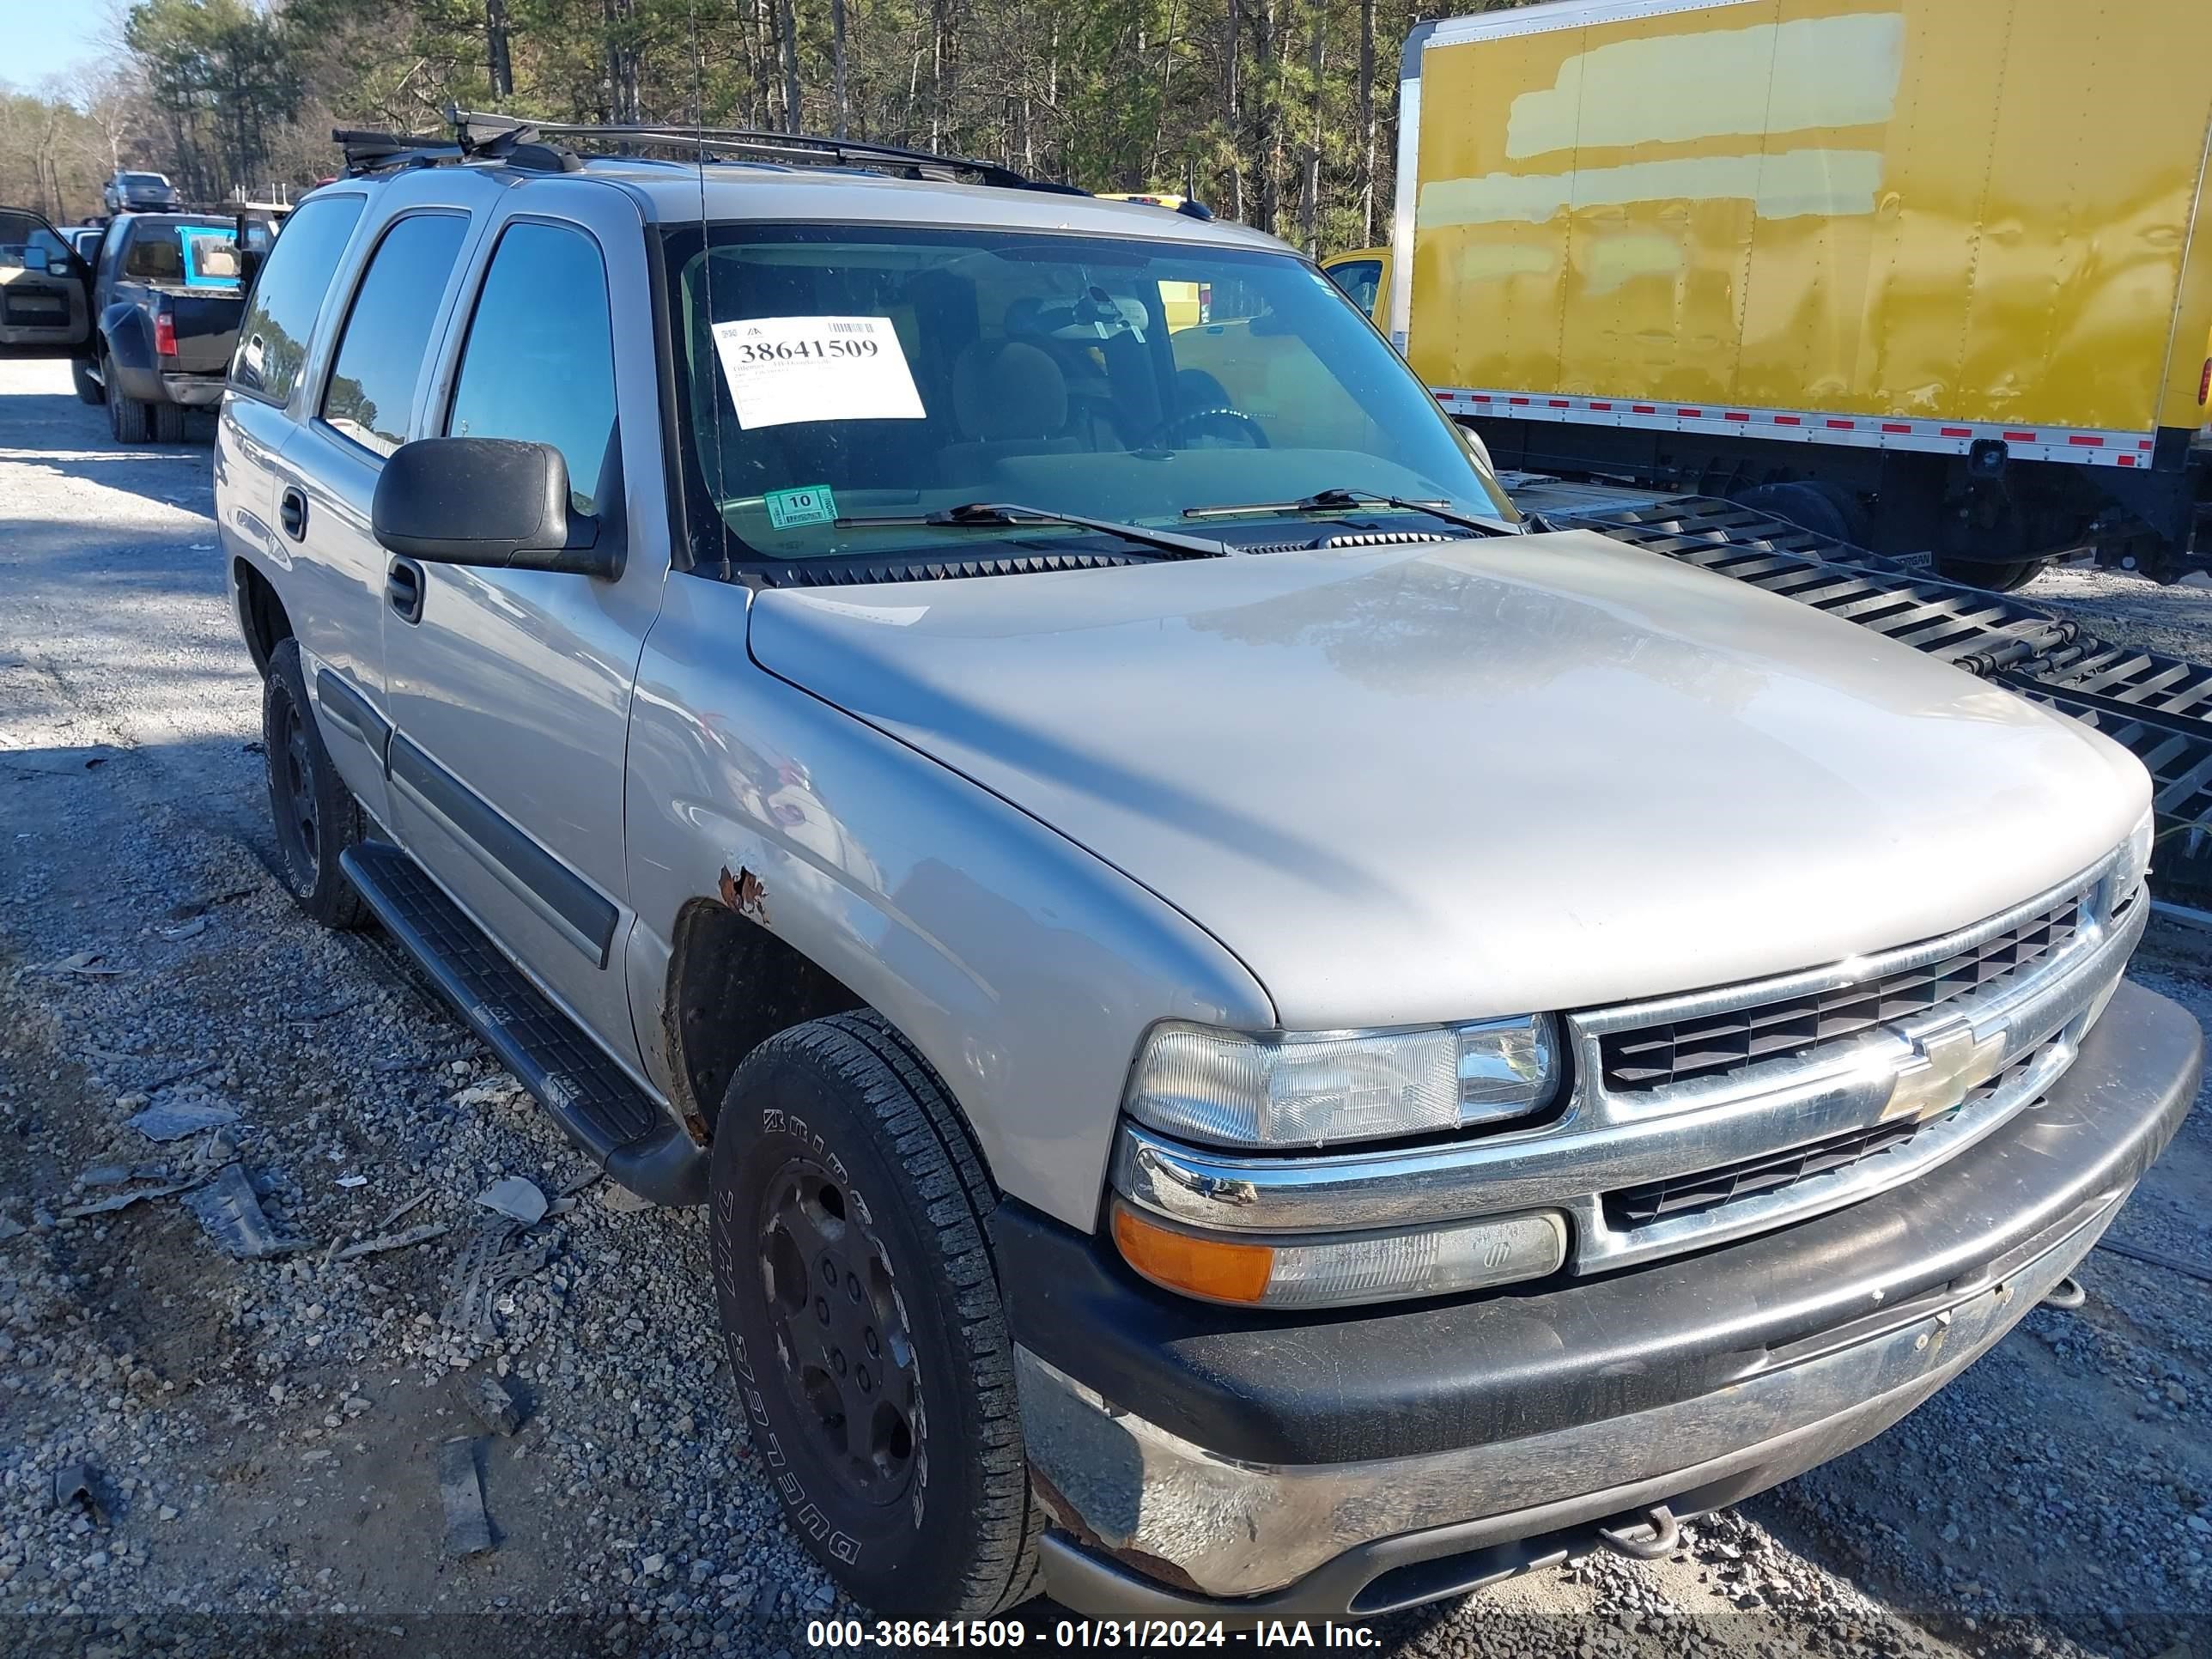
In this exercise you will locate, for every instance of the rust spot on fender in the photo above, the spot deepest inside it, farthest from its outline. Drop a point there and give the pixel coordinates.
(745, 894)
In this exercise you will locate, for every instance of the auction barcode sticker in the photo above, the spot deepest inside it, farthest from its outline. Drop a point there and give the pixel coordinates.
(783, 370)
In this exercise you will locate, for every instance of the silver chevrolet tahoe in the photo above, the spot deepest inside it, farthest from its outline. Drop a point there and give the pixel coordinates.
(1259, 1035)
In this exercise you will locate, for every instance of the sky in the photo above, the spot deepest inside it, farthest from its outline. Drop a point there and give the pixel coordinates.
(47, 37)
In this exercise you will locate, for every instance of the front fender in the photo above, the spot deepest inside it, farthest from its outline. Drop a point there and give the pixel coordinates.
(1025, 968)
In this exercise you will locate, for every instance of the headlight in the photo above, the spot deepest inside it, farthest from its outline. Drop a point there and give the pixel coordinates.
(1311, 1090)
(2134, 861)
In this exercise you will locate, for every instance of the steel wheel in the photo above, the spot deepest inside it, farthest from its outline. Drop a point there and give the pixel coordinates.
(841, 1337)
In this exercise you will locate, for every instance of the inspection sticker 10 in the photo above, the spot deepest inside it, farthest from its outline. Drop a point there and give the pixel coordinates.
(783, 370)
(787, 510)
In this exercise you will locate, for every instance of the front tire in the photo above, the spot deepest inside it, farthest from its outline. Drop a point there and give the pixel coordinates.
(886, 1399)
(88, 390)
(1998, 578)
(316, 816)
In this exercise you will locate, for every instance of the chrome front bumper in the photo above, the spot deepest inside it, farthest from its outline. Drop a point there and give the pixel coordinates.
(1692, 1384)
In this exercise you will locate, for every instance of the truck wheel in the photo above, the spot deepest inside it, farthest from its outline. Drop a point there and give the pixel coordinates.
(1998, 578)
(860, 1299)
(1804, 505)
(126, 415)
(316, 816)
(168, 423)
(88, 390)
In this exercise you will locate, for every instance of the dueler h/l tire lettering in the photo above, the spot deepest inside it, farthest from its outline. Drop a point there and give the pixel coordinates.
(860, 1303)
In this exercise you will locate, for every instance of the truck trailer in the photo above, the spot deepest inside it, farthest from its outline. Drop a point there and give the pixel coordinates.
(1925, 275)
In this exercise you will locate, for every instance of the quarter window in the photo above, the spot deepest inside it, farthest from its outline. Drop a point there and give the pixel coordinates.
(288, 297)
(372, 384)
(539, 362)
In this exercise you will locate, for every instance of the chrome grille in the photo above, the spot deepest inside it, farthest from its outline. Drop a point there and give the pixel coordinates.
(1707, 1045)
(1706, 1190)
(1934, 1046)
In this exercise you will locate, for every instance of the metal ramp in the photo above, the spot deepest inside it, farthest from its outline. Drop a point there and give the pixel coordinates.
(2159, 708)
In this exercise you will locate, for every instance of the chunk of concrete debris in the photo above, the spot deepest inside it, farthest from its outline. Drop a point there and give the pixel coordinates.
(174, 1120)
(493, 1401)
(460, 1491)
(231, 1215)
(513, 1195)
(618, 1198)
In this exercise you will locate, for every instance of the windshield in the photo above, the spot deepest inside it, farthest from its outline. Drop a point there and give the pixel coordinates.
(833, 374)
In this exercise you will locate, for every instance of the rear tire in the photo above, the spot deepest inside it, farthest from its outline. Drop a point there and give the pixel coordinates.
(1805, 505)
(88, 390)
(886, 1399)
(316, 816)
(127, 417)
(1998, 578)
(168, 423)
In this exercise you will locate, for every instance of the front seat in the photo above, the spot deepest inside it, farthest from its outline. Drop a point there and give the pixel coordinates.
(1009, 398)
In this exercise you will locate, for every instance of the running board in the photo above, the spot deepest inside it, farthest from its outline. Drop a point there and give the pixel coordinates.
(609, 1117)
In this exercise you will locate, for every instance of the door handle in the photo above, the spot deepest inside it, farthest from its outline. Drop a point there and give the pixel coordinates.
(292, 513)
(403, 588)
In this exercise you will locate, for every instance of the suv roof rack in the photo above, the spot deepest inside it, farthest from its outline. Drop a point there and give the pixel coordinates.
(479, 135)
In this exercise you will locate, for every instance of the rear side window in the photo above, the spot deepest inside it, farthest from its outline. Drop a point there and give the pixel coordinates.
(539, 363)
(288, 296)
(372, 385)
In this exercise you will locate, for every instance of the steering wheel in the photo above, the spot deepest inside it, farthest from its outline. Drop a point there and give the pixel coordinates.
(1191, 421)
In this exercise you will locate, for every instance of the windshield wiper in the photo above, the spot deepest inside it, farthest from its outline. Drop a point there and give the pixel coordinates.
(1335, 500)
(998, 515)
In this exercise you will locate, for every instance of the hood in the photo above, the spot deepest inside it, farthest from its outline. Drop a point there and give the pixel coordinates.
(1479, 778)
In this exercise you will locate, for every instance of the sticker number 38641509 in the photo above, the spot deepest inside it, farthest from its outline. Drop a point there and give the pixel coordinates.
(783, 370)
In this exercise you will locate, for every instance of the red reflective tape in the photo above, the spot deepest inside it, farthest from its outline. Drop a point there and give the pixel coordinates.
(1896, 426)
(1479, 397)
(1644, 409)
(2020, 437)
(2142, 443)
(1843, 426)
(1788, 420)
(1692, 413)
(1519, 401)
(1605, 406)
(1558, 402)
(2126, 460)
(1735, 415)
(2086, 440)
(1958, 432)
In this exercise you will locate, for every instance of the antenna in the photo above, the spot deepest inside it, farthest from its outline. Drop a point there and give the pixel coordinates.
(707, 275)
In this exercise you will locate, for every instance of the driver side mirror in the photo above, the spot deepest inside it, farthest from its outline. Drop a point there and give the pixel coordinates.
(494, 502)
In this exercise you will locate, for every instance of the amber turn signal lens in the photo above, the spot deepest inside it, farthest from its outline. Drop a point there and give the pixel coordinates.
(1211, 1268)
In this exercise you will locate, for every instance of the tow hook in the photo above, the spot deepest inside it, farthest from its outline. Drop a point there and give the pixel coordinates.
(1656, 1535)
(2066, 1295)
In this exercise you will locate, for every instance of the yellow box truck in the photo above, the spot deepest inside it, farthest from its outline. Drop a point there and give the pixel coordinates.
(1930, 275)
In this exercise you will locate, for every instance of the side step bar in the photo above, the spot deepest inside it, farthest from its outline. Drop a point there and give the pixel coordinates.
(610, 1119)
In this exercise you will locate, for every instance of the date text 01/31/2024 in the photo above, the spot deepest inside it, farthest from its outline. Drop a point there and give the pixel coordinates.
(828, 1634)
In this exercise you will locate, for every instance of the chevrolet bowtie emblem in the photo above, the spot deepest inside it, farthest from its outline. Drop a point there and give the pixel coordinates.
(1949, 1065)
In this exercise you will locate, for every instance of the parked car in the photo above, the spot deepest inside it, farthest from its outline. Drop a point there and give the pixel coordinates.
(1259, 1040)
(129, 192)
(167, 293)
(45, 287)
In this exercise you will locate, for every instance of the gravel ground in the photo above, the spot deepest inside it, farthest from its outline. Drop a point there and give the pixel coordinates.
(263, 1436)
